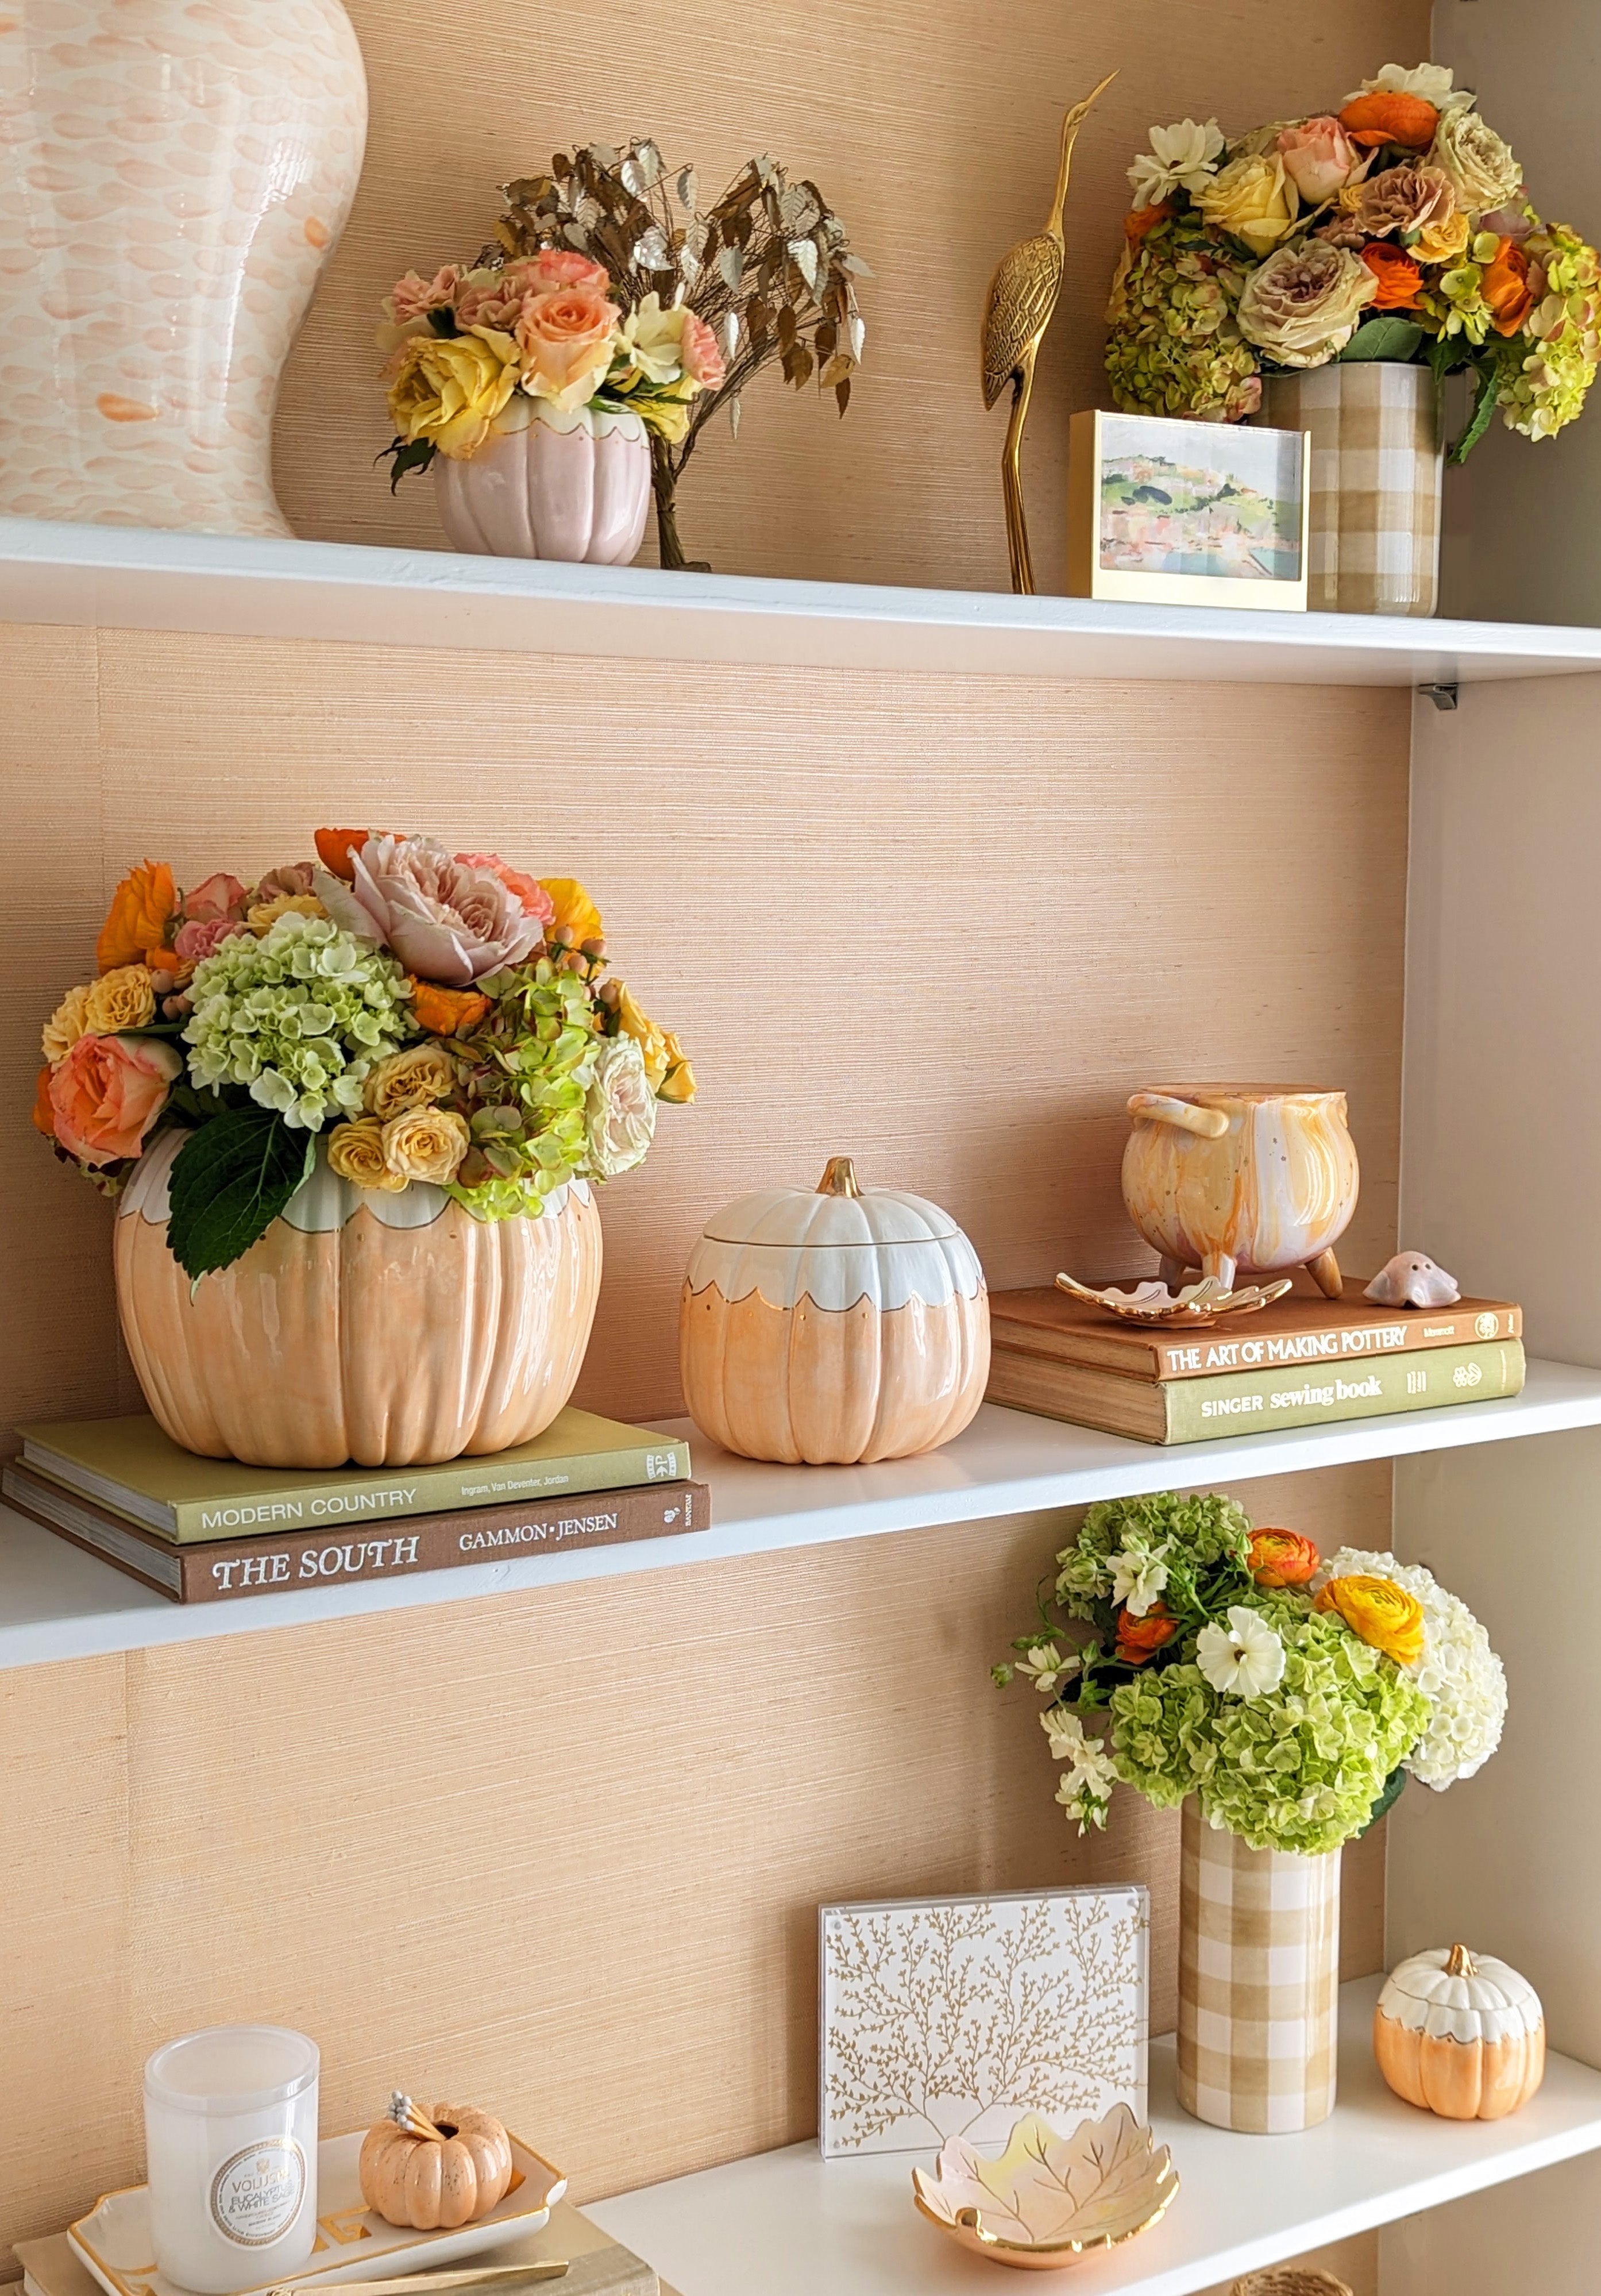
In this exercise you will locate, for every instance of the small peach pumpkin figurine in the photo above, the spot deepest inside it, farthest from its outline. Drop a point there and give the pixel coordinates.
(836, 1324)
(1460, 2034)
(435, 2174)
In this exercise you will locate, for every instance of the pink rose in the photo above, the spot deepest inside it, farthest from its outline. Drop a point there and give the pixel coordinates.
(107, 1093)
(558, 267)
(221, 896)
(702, 359)
(491, 303)
(447, 920)
(1319, 159)
(567, 337)
(200, 937)
(536, 902)
(415, 297)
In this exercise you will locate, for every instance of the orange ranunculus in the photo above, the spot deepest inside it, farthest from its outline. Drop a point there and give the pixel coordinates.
(108, 1092)
(137, 919)
(1138, 1639)
(44, 1107)
(337, 850)
(1140, 220)
(1505, 287)
(1390, 117)
(1400, 279)
(1282, 1558)
(1380, 1612)
(571, 907)
(446, 1012)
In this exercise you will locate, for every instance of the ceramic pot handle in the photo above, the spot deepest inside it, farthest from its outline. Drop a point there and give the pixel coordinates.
(1209, 1123)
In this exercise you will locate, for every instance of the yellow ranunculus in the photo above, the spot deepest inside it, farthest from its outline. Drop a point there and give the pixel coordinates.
(573, 907)
(1252, 198)
(1380, 1612)
(652, 1043)
(449, 389)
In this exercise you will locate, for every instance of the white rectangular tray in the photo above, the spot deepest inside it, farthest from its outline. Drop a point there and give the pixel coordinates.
(113, 2240)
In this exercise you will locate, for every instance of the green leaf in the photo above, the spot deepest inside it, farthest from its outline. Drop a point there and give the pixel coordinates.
(1387, 337)
(408, 455)
(229, 1181)
(1483, 408)
(1387, 1800)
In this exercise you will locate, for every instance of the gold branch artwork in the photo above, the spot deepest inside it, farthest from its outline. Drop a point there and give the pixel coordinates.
(949, 2019)
(1018, 309)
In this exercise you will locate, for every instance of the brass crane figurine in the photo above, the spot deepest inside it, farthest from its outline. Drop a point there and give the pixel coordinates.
(1020, 304)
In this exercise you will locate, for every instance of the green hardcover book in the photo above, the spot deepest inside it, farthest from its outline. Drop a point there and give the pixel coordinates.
(130, 1467)
(1255, 1402)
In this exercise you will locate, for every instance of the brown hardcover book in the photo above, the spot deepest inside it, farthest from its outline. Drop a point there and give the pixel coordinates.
(1302, 1329)
(215, 1570)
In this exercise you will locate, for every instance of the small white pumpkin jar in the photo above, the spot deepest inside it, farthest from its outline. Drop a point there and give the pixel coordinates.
(1460, 2034)
(833, 1326)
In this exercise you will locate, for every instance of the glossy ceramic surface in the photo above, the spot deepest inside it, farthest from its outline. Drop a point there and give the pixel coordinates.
(174, 175)
(1226, 1177)
(389, 1330)
(1460, 2034)
(575, 487)
(1050, 2200)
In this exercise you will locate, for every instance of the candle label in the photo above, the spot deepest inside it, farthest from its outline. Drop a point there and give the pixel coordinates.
(255, 2195)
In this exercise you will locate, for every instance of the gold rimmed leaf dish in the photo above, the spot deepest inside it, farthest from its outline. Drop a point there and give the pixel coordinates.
(1047, 2199)
(1195, 1307)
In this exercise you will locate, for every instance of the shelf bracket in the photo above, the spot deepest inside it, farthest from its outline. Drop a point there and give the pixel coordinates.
(1444, 697)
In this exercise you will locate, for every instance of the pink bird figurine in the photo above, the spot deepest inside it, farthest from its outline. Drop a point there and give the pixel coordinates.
(1412, 1280)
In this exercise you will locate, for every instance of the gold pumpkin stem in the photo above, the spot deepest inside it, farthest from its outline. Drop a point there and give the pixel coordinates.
(840, 1179)
(1460, 1962)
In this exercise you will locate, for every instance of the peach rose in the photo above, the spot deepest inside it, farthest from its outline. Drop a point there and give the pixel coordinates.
(1319, 159)
(532, 896)
(427, 1144)
(221, 896)
(566, 337)
(556, 266)
(138, 916)
(107, 1093)
(44, 1111)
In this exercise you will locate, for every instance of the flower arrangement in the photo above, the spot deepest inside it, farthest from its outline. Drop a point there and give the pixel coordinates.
(428, 1017)
(607, 286)
(1292, 1695)
(1396, 228)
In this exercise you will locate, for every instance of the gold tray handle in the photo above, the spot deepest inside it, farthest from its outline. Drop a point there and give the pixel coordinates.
(1207, 1123)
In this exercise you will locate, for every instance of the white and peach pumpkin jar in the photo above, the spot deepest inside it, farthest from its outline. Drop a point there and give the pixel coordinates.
(834, 1325)
(388, 1330)
(1460, 2034)
(547, 483)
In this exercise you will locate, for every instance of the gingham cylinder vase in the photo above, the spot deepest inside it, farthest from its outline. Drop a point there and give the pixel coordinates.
(1259, 1967)
(1377, 471)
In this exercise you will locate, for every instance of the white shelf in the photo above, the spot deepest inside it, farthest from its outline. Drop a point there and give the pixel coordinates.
(131, 579)
(794, 2224)
(58, 1602)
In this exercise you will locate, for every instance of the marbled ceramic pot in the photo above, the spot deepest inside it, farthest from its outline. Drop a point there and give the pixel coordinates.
(391, 1329)
(573, 485)
(173, 175)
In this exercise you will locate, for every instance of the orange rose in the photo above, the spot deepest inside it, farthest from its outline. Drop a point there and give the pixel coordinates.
(1390, 118)
(107, 1093)
(1505, 287)
(337, 850)
(1400, 279)
(137, 920)
(1281, 1558)
(446, 1012)
(1138, 1639)
(44, 1108)
(1143, 219)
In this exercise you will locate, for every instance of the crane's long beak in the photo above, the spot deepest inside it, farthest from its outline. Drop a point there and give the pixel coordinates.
(1080, 110)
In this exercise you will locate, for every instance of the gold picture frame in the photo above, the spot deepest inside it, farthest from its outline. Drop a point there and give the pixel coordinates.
(1171, 513)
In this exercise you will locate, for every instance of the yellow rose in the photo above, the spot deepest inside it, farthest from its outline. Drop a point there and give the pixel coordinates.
(648, 1037)
(122, 998)
(679, 1084)
(414, 1078)
(356, 1152)
(449, 389)
(1252, 198)
(65, 1025)
(1442, 243)
(427, 1144)
(1382, 1613)
(265, 915)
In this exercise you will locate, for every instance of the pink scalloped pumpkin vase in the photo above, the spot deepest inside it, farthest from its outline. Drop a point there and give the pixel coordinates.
(575, 487)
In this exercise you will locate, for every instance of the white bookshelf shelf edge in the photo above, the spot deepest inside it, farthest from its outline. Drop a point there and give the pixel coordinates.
(57, 1601)
(130, 578)
(795, 2225)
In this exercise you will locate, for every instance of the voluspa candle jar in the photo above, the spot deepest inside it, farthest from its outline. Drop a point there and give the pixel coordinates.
(231, 2136)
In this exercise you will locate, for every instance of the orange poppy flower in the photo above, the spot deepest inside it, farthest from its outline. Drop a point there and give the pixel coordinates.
(1389, 116)
(138, 917)
(446, 1012)
(1138, 1639)
(1400, 279)
(1140, 220)
(1505, 287)
(1282, 1558)
(337, 850)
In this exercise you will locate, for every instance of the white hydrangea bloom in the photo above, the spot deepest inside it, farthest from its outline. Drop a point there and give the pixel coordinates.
(1459, 1673)
(1181, 157)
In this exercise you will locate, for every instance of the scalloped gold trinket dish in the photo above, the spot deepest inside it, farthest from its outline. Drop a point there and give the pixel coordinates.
(1048, 2200)
(1196, 1306)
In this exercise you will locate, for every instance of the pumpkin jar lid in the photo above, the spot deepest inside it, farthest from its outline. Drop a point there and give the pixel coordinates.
(838, 1215)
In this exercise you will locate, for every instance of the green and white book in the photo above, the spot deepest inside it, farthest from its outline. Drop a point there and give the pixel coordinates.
(130, 1467)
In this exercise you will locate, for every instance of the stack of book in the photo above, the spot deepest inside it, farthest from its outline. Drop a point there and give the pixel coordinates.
(1303, 1361)
(206, 1531)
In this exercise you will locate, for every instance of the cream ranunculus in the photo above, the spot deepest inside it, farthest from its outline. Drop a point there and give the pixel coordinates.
(427, 1144)
(122, 998)
(1478, 165)
(1302, 305)
(356, 1152)
(65, 1025)
(449, 389)
(414, 1078)
(1252, 198)
(620, 1112)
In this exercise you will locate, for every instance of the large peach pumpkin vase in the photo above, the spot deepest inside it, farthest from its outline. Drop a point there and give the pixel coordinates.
(389, 1330)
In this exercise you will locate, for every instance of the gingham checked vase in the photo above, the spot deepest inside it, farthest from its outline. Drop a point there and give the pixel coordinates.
(1259, 1966)
(1377, 470)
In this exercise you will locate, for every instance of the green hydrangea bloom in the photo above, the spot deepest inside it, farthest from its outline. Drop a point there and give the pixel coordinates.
(1172, 345)
(298, 1018)
(1455, 304)
(1299, 1770)
(1208, 1526)
(1546, 388)
(529, 1070)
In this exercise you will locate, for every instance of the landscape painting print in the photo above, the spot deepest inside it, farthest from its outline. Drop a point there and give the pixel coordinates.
(1213, 499)
(955, 2016)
